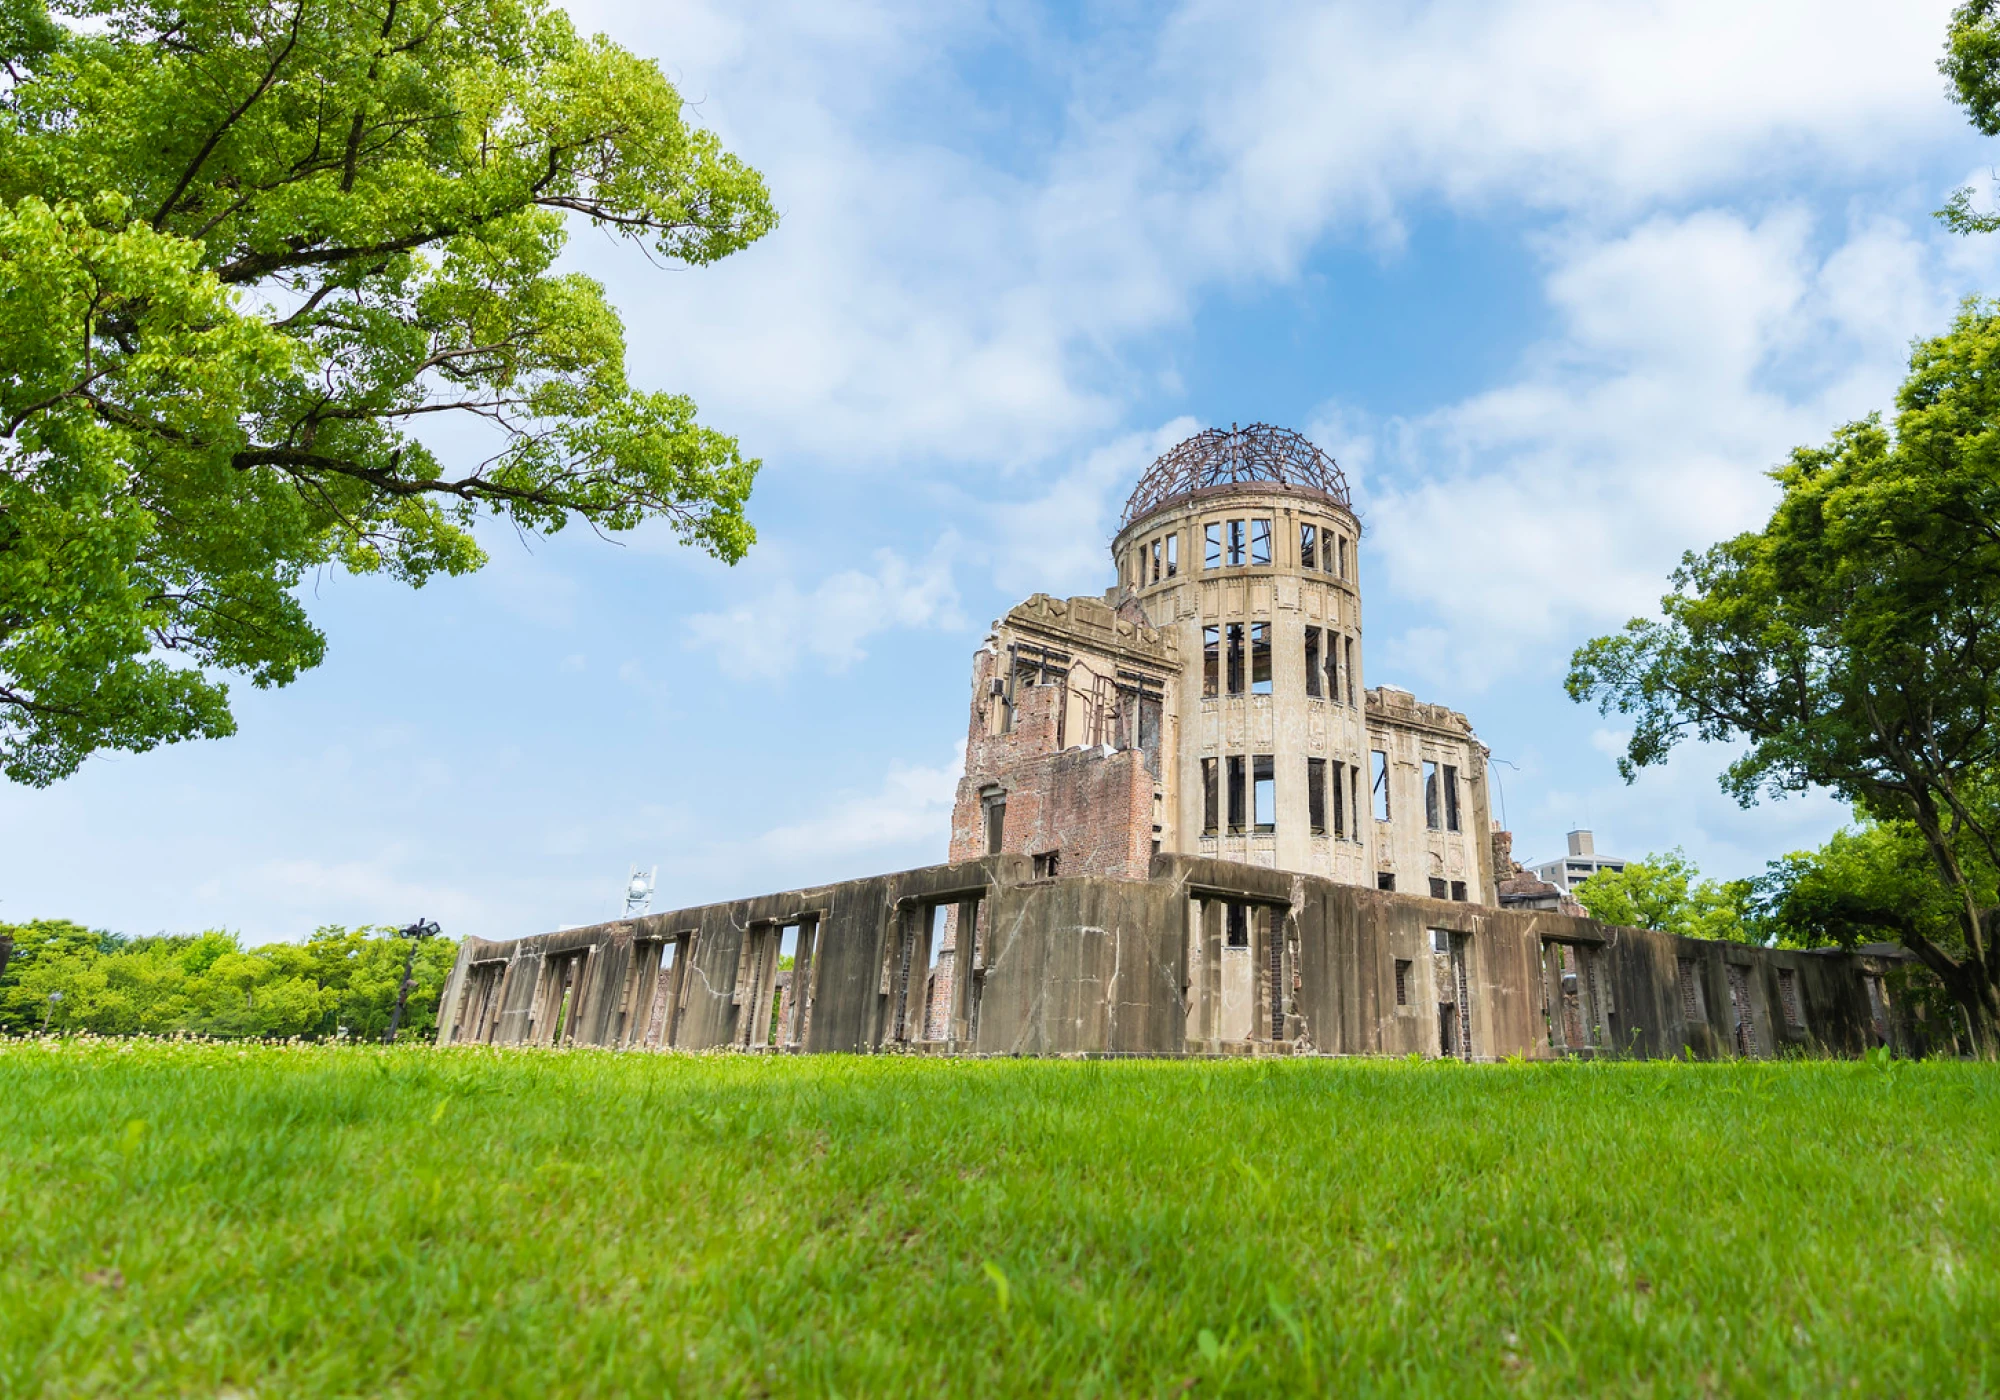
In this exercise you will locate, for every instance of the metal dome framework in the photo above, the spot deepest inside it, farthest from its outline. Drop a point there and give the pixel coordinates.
(1259, 453)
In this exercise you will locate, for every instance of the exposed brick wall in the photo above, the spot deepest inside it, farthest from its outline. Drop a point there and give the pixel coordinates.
(1094, 807)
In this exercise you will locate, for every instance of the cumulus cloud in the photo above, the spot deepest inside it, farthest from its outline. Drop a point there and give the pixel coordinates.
(768, 634)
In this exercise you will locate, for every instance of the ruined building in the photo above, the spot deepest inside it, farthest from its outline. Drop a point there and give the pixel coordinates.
(1187, 825)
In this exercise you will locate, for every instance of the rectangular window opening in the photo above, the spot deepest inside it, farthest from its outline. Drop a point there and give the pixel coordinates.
(1260, 541)
(1693, 1008)
(1308, 546)
(996, 824)
(1450, 798)
(1439, 889)
(1316, 795)
(1260, 658)
(1047, 865)
(1381, 784)
(1233, 634)
(1788, 997)
(1402, 981)
(1458, 891)
(1153, 560)
(1173, 554)
(1235, 543)
(1354, 792)
(1340, 548)
(1264, 780)
(1433, 798)
(1212, 538)
(1339, 800)
(1312, 662)
(1348, 666)
(1235, 770)
(1332, 666)
(1211, 660)
(1209, 797)
(1239, 925)
(1384, 880)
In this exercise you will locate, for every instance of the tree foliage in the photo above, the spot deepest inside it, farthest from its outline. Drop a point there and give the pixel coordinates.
(1666, 892)
(247, 250)
(1853, 643)
(340, 981)
(1971, 64)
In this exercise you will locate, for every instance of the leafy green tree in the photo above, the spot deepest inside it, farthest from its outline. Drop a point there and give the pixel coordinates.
(1972, 64)
(1853, 643)
(1666, 892)
(247, 247)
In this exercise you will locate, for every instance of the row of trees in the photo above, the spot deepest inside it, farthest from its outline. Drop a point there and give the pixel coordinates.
(339, 982)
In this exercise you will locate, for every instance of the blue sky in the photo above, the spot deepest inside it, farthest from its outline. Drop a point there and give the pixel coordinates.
(1554, 282)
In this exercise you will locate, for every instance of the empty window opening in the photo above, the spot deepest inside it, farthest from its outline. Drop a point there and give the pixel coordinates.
(1433, 799)
(1210, 798)
(1235, 770)
(1354, 792)
(1440, 940)
(1450, 798)
(1233, 634)
(1312, 662)
(1260, 541)
(1339, 799)
(1439, 889)
(996, 824)
(780, 986)
(1212, 539)
(1381, 784)
(1693, 1009)
(642, 971)
(1173, 554)
(1153, 552)
(1308, 546)
(1739, 1006)
(1878, 1006)
(1047, 864)
(1448, 1029)
(1385, 880)
(1332, 666)
(1458, 890)
(1402, 981)
(1340, 548)
(1263, 773)
(1788, 997)
(1211, 660)
(1347, 666)
(1316, 795)
(1235, 543)
(1260, 658)
(1239, 925)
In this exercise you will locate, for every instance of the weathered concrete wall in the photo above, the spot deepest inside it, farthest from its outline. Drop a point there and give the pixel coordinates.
(1203, 956)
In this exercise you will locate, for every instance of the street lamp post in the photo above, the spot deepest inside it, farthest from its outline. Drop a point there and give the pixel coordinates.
(416, 933)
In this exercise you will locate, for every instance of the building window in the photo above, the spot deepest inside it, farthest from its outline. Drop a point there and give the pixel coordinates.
(1260, 658)
(1316, 795)
(1264, 784)
(1693, 1010)
(1381, 788)
(1439, 889)
(1402, 981)
(1209, 797)
(1440, 940)
(1308, 546)
(1788, 997)
(1233, 631)
(1234, 767)
(1211, 660)
(1238, 924)
(1312, 660)
(1385, 881)
(1173, 554)
(1354, 792)
(996, 824)
(1450, 798)
(1433, 799)
(1235, 543)
(1340, 548)
(1458, 890)
(1046, 865)
(1339, 800)
(1260, 541)
(1332, 666)
(1212, 537)
(1348, 666)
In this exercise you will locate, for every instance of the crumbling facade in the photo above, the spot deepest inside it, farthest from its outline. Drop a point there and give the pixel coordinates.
(1188, 826)
(1227, 664)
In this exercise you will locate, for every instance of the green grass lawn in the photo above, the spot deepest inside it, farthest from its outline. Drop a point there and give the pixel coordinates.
(305, 1221)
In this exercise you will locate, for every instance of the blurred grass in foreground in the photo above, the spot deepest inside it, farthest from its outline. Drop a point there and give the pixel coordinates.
(313, 1220)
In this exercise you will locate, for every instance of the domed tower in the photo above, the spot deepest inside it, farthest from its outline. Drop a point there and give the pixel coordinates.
(1244, 542)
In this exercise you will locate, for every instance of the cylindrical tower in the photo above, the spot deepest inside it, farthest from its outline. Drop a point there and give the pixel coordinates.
(1246, 544)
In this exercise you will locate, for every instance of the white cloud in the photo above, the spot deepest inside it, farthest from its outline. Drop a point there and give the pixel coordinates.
(767, 635)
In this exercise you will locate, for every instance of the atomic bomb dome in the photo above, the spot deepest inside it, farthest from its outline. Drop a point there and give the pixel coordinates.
(1214, 458)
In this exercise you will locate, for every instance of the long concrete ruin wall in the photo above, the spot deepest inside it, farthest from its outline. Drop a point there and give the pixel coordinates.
(1097, 965)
